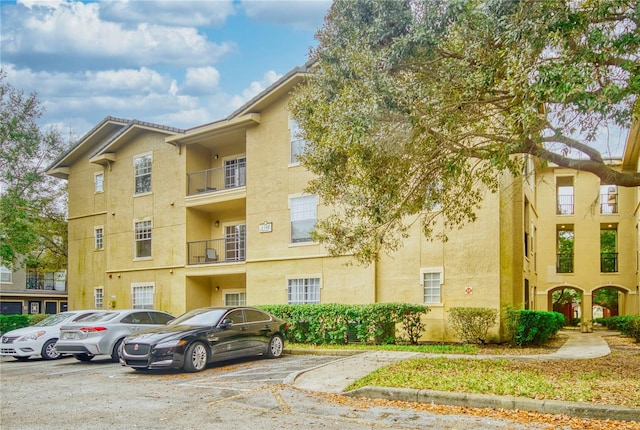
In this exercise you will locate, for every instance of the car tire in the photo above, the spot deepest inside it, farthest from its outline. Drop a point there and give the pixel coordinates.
(83, 357)
(49, 350)
(196, 358)
(115, 355)
(275, 347)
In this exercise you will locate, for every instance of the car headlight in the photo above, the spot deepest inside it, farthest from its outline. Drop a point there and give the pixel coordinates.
(169, 344)
(31, 336)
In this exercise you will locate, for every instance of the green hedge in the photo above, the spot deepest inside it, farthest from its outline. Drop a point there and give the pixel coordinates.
(633, 328)
(527, 327)
(12, 322)
(341, 324)
(619, 323)
(472, 324)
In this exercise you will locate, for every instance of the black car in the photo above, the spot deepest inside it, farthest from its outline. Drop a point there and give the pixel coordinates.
(205, 335)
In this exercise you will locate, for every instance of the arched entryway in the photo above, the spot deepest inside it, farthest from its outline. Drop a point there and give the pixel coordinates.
(609, 301)
(567, 300)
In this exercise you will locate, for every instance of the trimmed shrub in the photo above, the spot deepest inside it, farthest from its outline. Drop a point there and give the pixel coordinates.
(618, 323)
(472, 324)
(341, 324)
(633, 328)
(526, 327)
(12, 322)
(36, 318)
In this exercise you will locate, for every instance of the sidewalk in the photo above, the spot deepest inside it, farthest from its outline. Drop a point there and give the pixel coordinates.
(336, 376)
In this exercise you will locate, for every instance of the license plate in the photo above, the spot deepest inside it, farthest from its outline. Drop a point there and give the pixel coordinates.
(70, 336)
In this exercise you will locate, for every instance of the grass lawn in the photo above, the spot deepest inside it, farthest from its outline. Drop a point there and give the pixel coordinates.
(611, 380)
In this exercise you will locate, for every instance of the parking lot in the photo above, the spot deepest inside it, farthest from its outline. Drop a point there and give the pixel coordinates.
(240, 394)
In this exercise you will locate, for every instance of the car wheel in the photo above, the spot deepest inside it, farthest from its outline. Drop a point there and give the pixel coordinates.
(83, 357)
(115, 354)
(21, 358)
(49, 350)
(196, 358)
(276, 347)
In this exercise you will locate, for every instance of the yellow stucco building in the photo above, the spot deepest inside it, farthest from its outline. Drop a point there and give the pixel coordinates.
(175, 219)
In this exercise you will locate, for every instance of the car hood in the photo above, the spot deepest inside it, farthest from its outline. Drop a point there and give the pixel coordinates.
(164, 332)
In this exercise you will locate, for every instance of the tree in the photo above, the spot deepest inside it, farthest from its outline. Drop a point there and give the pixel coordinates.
(33, 228)
(417, 105)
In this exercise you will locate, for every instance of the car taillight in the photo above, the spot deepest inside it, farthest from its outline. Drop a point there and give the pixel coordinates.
(88, 329)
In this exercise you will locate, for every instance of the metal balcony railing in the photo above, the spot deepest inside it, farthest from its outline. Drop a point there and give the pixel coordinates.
(608, 262)
(216, 179)
(608, 204)
(565, 205)
(214, 251)
(564, 263)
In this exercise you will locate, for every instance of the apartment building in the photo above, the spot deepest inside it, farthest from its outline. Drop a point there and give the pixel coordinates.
(29, 291)
(175, 219)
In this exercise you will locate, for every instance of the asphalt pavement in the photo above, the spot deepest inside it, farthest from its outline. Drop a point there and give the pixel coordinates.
(335, 377)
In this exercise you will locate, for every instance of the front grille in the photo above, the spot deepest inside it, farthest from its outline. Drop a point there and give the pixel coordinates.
(7, 351)
(136, 363)
(9, 339)
(136, 348)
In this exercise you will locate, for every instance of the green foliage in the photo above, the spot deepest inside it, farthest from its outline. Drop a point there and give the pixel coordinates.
(414, 108)
(472, 324)
(633, 329)
(36, 318)
(623, 323)
(607, 297)
(33, 224)
(12, 322)
(526, 327)
(340, 324)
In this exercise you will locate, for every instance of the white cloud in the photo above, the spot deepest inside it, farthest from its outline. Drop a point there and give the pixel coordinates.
(201, 80)
(171, 13)
(73, 34)
(256, 87)
(299, 14)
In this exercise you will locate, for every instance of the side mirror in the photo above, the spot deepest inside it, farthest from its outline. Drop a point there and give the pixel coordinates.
(225, 323)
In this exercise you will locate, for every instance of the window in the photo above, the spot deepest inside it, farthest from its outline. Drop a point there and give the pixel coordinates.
(142, 238)
(297, 143)
(142, 173)
(303, 290)
(98, 181)
(142, 296)
(235, 173)
(608, 199)
(564, 192)
(5, 274)
(235, 242)
(98, 233)
(565, 247)
(431, 279)
(235, 299)
(98, 295)
(608, 248)
(303, 217)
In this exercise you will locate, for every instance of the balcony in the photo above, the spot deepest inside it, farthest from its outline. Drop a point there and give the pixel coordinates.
(217, 179)
(214, 251)
(564, 263)
(565, 205)
(608, 262)
(608, 204)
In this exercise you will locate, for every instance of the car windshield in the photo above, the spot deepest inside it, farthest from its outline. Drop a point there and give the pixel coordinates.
(53, 320)
(204, 317)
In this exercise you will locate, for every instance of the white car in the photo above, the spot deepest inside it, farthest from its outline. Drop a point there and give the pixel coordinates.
(39, 339)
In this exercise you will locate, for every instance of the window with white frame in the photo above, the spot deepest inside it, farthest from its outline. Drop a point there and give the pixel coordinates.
(235, 173)
(431, 279)
(6, 275)
(142, 174)
(98, 237)
(98, 296)
(303, 212)
(98, 181)
(298, 144)
(142, 296)
(303, 291)
(142, 239)
(235, 299)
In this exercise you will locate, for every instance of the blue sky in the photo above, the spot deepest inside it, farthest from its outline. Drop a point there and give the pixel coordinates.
(179, 63)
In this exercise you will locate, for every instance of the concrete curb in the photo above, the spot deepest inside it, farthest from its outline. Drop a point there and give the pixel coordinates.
(582, 410)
